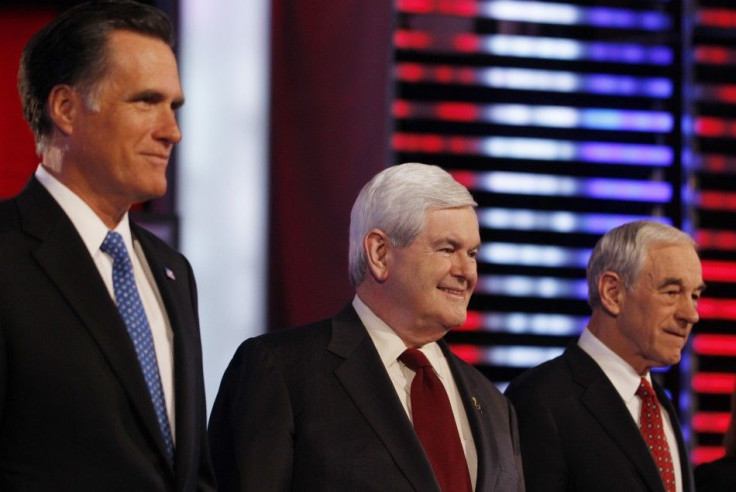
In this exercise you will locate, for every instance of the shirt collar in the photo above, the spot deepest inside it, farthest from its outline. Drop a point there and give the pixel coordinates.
(89, 226)
(387, 342)
(623, 377)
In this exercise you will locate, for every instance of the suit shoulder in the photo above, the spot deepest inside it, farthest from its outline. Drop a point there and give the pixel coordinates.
(288, 343)
(543, 381)
(9, 215)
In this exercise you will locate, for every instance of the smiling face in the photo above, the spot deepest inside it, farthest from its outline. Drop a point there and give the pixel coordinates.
(119, 145)
(658, 313)
(430, 282)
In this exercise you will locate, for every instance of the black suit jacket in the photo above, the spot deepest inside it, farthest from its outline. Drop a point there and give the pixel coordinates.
(75, 413)
(313, 408)
(578, 435)
(716, 476)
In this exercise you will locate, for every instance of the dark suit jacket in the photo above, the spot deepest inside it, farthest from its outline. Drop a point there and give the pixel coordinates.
(578, 435)
(716, 476)
(313, 409)
(75, 413)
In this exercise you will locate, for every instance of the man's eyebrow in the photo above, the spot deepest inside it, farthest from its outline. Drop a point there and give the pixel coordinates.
(156, 96)
(670, 281)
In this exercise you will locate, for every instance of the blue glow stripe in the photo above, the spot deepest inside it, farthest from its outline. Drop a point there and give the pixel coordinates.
(564, 14)
(571, 117)
(518, 356)
(560, 81)
(534, 324)
(551, 185)
(527, 286)
(569, 49)
(564, 222)
(533, 255)
(562, 150)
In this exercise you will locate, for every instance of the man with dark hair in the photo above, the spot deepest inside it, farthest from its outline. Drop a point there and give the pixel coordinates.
(594, 418)
(373, 399)
(101, 383)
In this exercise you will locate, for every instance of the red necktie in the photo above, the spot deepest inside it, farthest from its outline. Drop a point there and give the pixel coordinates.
(652, 429)
(435, 424)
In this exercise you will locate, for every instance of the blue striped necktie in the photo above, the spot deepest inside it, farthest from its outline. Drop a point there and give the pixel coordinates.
(131, 310)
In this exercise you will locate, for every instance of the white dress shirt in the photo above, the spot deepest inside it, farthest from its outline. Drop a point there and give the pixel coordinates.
(626, 381)
(390, 347)
(93, 231)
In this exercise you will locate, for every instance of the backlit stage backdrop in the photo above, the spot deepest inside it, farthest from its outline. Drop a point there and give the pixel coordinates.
(564, 119)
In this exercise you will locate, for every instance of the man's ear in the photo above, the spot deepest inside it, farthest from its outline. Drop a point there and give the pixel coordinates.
(376, 245)
(62, 107)
(612, 291)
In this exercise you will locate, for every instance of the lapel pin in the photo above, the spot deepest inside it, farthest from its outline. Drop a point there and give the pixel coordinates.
(170, 274)
(477, 405)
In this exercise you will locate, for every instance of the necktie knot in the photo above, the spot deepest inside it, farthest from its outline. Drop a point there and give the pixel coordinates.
(114, 246)
(645, 391)
(414, 359)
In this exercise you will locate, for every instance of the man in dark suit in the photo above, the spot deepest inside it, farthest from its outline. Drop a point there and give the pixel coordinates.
(101, 382)
(580, 414)
(332, 405)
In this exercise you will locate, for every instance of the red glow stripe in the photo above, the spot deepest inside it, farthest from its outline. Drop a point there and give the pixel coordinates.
(412, 39)
(410, 72)
(712, 422)
(705, 454)
(717, 200)
(724, 345)
(458, 111)
(401, 109)
(720, 383)
(718, 240)
(713, 55)
(709, 127)
(474, 319)
(434, 144)
(719, 271)
(465, 178)
(717, 17)
(469, 353)
(463, 8)
(727, 93)
(467, 43)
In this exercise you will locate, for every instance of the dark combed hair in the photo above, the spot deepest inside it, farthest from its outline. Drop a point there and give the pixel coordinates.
(71, 50)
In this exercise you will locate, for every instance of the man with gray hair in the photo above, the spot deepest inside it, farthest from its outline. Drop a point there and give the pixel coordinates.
(594, 418)
(372, 399)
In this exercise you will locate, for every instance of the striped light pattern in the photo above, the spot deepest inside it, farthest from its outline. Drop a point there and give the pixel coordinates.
(553, 185)
(542, 13)
(525, 323)
(537, 80)
(558, 221)
(536, 47)
(542, 116)
(536, 148)
(533, 255)
(528, 286)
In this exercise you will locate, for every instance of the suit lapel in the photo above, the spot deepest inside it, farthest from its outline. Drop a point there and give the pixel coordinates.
(606, 406)
(169, 283)
(365, 379)
(487, 453)
(66, 261)
(687, 477)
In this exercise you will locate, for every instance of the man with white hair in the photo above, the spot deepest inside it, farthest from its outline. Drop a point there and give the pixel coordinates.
(593, 418)
(372, 399)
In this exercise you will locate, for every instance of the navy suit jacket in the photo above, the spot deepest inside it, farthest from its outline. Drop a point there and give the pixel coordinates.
(313, 408)
(75, 413)
(578, 435)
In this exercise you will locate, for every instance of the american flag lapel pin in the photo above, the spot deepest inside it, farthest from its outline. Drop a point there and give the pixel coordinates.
(477, 405)
(170, 273)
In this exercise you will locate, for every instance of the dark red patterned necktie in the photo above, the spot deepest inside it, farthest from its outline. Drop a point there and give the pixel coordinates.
(435, 424)
(652, 429)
